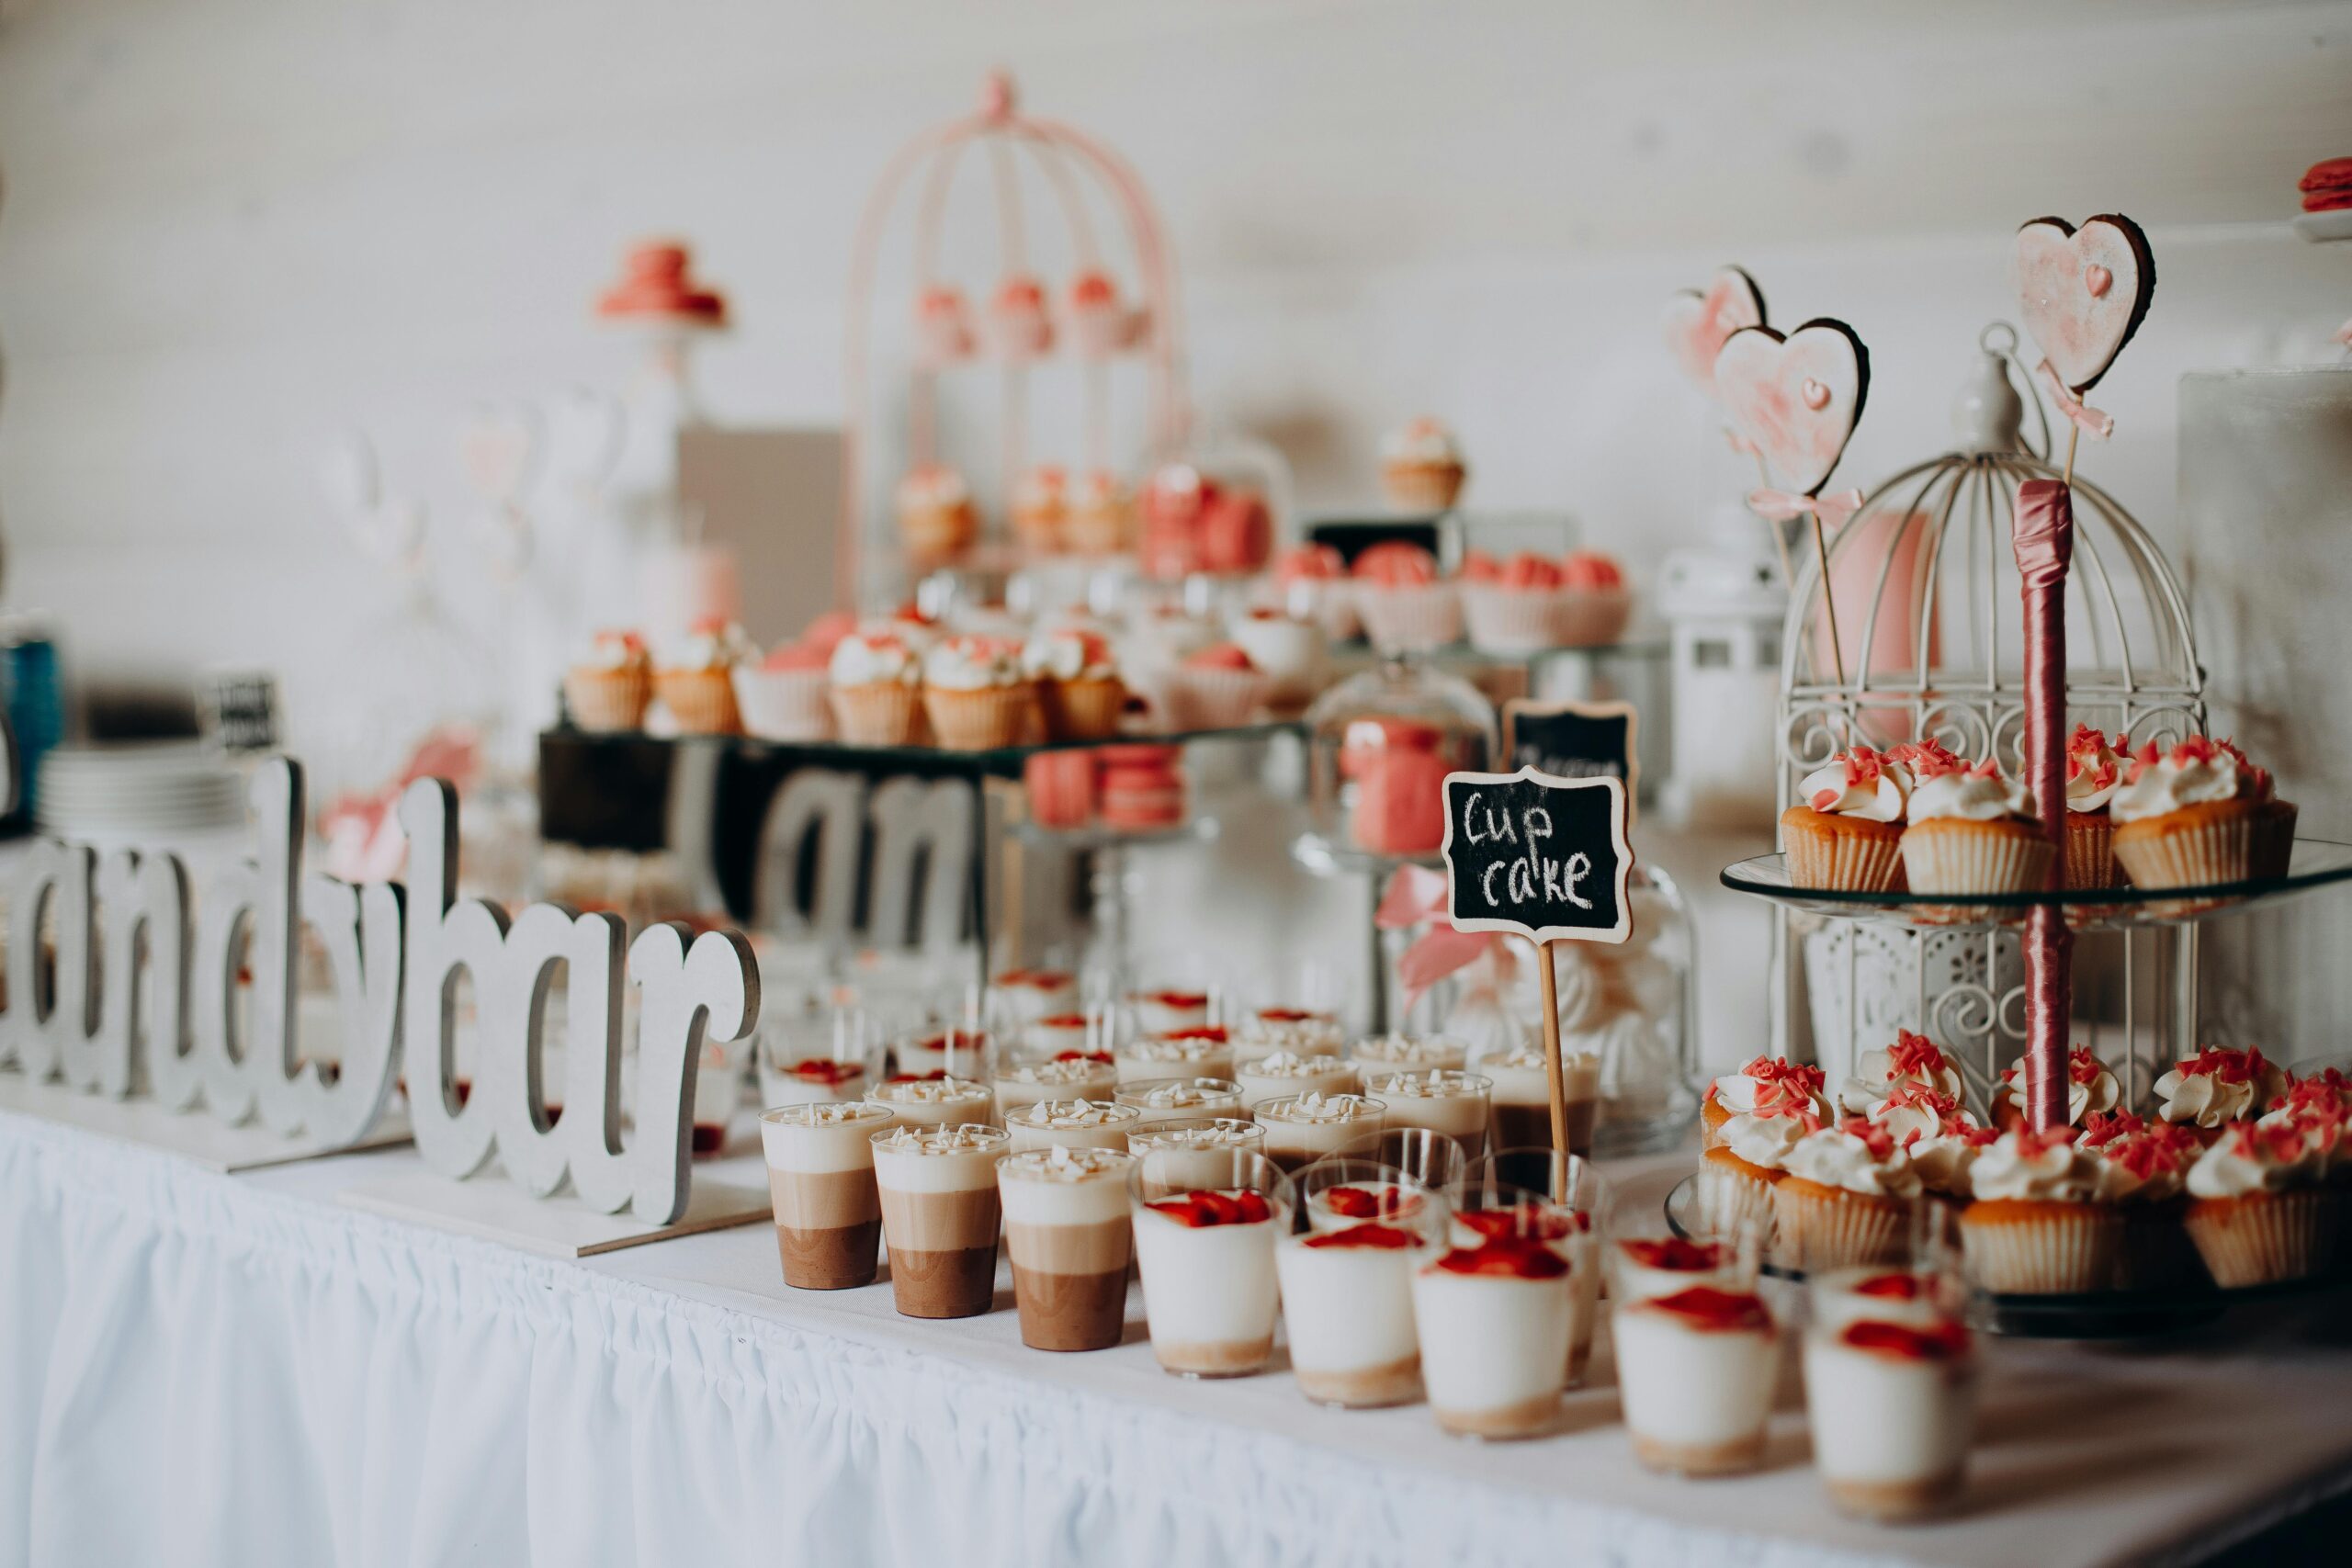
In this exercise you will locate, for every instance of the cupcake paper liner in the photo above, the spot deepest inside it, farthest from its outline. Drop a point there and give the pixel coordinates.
(1856, 862)
(605, 701)
(2265, 1237)
(785, 705)
(878, 713)
(1825, 1227)
(1938, 860)
(702, 701)
(1728, 1197)
(1594, 617)
(1423, 487)
(1082, 710)
(2090, 850)
(1512, 620)
(1410, 620)
(2058, 1248)
(979, 720)
(1214, 699)
(2191, 853)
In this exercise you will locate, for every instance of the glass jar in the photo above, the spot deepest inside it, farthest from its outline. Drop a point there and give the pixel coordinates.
(1379, 745)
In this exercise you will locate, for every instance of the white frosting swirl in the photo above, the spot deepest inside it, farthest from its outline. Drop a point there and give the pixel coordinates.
(1942, 1160)
(971, 664)
(1876, 1073)
(1861, 784)
(616, 650)
(934, 485)
(713, 647)
(2024, 1166)
(2217, 1086)
(864, 658)
(1739, 1092)
(2247, 1161)
(2088, 1090)
(1837, 1158)
(1980, 794)
(1068, 654)
(1762, 1141)
(1422, 440)
(2126, 1174)
(2190, 774)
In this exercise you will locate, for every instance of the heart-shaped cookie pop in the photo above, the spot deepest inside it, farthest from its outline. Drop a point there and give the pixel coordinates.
(1796, 399)
(2083, 291)
(1697, 322)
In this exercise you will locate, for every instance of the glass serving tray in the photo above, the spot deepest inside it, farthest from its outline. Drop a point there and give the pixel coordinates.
(1095, 835)
(2315, 862)
(2091, 1314)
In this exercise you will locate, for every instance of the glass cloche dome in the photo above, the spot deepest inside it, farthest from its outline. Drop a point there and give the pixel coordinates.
(1379, 745)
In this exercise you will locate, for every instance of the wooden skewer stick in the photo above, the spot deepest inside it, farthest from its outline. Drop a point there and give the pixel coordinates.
(2073, 437)
(1829, 600)
(1555, 1080)
(1779, 540)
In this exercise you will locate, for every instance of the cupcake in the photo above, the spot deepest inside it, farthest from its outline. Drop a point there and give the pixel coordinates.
(786, 695)
(696, 680)
(1846, 832)
(1406, 608)
(1595, 604)
(2036, 1226)
(1944, 1158)
(1018, 327)
(1512, 608)
(1739, 1170)
(2216, 1087)
(877, 676)
(2191, 817)
(2259, 1211)
(2141, 1172)
(1100, 325)
(1311, 583)
(1767, 1085)
(2091, 1091)
(607, 691)
(975, 694)
(942, 325)
(1912, 1058)
(1973, 831)
(1911, 1111)
(1287, 649)
(2274, 823)
(1078, 684)
(1216, 688)
(1420, 468)
(1845, 1197)
(1174, 497)
(1102, 516)
(2094, 772)
(1041, 508)
(936, 517)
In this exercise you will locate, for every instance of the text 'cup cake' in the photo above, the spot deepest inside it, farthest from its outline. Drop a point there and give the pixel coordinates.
(976, 695)
(2200, 813)
(2094, 772)
(1845, 833)
(1974, 830)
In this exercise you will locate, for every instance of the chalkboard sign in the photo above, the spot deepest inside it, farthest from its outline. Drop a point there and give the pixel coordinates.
(1573, 741)
(1544, 856)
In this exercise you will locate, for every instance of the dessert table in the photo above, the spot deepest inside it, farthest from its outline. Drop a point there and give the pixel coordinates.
(206, 1369)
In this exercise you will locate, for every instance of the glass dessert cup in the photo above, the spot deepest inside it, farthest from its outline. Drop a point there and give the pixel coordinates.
(1890, 1375)
(1494, 1320)
(821, 1184)
(1206, 1220)
(1347, 1282)
(1069, 1235)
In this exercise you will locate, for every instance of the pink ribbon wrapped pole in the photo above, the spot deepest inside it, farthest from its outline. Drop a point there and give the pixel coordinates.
(2044, 539)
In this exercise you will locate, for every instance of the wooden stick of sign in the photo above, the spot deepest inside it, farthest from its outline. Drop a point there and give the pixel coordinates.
(1535, 855)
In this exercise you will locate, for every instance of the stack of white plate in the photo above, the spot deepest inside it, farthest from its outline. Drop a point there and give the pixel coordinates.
(131, 789)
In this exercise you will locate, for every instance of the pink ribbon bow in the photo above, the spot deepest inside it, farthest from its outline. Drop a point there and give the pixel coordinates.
(1415, 895)
(1780, 505)
(2092, 422)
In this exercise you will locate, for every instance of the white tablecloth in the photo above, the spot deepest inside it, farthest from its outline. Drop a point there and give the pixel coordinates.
(201, 1369)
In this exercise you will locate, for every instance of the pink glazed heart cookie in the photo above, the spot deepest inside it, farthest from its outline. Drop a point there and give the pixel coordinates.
(1697, 322)
(2083, 291)
(1796, 399)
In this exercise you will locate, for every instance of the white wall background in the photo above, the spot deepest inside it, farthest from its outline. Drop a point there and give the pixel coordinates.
(232, 228)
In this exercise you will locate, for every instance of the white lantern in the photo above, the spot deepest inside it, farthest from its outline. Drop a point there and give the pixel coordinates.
(1727, 604)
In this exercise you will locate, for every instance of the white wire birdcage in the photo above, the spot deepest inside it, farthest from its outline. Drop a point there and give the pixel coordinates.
(1928, 593)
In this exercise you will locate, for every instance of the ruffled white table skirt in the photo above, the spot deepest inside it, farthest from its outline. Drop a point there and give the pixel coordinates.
(202, 1370)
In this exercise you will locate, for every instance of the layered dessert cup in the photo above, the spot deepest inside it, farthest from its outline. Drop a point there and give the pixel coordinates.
(1157, 1012)
(1074, 1074)
(1407, 1054)
(1068, 1229)
(1195, 1151)
(1915, 1296)
(1347, 1285)
(935, 1101)
(821, 1184)
(719, 1087)
(1206, 1253)
(1485, 1211)
(1493, 1323)
(1071, 1124)
(1181, 1099)
(1892, 1405)
(1305, 1031)
(1059, 1031)
(1021, 996)
(1452, 1103)
(1521, 1094)
(939, 1214)
(1202, 1050)
(1696, 1371)
(1643, 1266)
(959, 1053)
(1303, 1128)
(1279, 1073)
(813, 1080)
